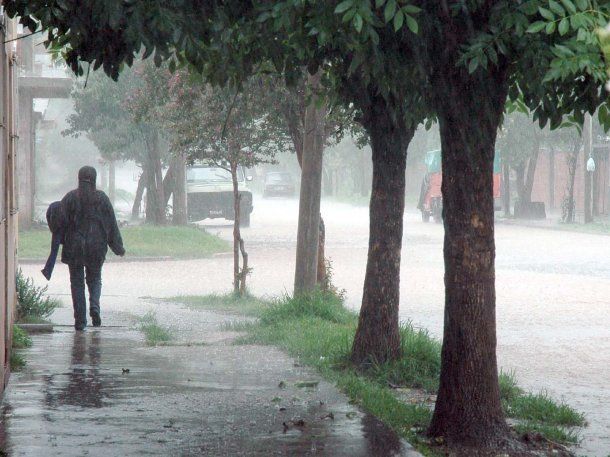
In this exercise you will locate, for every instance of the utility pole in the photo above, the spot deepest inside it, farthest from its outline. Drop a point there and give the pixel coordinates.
(305, 276)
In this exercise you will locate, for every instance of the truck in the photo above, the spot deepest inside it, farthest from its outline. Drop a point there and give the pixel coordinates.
(209, 192)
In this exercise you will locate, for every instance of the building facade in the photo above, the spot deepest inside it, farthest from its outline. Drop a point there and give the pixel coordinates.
(9, 207)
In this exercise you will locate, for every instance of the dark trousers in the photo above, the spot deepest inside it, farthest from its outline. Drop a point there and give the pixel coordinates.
(93, 275)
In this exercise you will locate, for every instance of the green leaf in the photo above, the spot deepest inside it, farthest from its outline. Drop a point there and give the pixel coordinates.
(569, 5)
(344, 6)
(473, 64)
(550, 28)
(583, 5)
(412, 24)
(398, 20)
(410, 9)
(557, 8)
(379, 3)
(389, 11)
(546, 14)
(564, 26)
(358, 23)
(536, 27)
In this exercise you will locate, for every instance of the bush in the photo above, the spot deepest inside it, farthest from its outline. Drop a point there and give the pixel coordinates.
(32, 301)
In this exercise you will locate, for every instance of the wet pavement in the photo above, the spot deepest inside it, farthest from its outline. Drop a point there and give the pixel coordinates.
(76, 398)
(552, 294)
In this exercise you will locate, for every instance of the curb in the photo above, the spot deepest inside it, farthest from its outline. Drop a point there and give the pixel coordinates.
(41, 261)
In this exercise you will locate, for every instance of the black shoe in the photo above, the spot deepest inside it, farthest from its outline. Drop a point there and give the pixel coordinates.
(80, 328)
(97, 320)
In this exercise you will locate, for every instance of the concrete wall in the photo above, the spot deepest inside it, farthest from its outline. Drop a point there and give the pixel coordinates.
(8, 203)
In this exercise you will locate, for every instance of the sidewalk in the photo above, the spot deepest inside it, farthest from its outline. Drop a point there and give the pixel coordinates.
(75, 398)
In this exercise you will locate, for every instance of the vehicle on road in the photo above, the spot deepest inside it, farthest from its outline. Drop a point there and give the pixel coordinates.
(430, 197)
(279, 184)
(209, 192)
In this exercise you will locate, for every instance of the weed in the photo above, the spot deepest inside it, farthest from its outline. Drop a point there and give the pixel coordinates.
(17, 361)
(229, 302)
(32, 301)
(543, 409)
(21, 339)
(154, 333)
(550, 432)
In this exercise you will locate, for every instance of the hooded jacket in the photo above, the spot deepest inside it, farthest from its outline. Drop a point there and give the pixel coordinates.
(90, 223)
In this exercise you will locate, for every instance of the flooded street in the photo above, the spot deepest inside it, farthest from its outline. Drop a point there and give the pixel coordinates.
(552, 293)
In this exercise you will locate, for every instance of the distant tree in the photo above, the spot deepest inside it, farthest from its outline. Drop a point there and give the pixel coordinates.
(228, 128)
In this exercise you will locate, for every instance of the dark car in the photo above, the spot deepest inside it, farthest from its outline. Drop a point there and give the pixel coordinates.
(279, 184)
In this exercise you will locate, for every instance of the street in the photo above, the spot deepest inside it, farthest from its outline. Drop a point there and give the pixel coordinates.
(552, 293)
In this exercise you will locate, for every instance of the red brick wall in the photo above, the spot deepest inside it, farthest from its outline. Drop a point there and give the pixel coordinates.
(541, 189)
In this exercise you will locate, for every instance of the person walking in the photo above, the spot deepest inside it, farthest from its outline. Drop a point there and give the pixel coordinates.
(90, 227)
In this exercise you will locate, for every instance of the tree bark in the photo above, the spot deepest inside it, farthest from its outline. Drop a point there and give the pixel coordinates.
(306, 271)
(239, 278)
(377, 338)
(158, 174)
(179, 214)
(295, 123)
(137, 202)
(468, 410)
(568, 205)
(588, 215)
(531, 171)
(552, 178)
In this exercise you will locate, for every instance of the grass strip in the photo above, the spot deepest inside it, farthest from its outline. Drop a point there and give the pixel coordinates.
(229, 303)
(318, 330)
(184, 242)
(21, 339)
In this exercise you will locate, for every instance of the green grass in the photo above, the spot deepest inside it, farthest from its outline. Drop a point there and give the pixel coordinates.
(154, 333)
(140, 241)
(319, 331)
(21, 339)
(17, 361)
(230, 303)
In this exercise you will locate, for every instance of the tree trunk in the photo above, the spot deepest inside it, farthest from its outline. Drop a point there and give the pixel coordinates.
(587, 153)
(377, 337)
(238, 278)
(520, 182)
(180, 213)
(468, 410)
(308, 236)
(295, 128)
(506, 189)
(531, 172)
(137, 202)
(568, 205)
(112, 181)
(158, 174)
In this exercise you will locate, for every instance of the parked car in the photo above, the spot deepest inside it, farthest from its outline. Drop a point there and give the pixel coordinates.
(209, 192)
(279, 183)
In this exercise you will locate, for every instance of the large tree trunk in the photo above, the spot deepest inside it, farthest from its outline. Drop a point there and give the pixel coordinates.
(377, 337)
(308, 236)
(468, 410)
(295, 128)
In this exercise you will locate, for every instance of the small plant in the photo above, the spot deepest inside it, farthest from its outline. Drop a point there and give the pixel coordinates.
(154, 333)
(17, 361)
(21, 339)
(32, 301)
